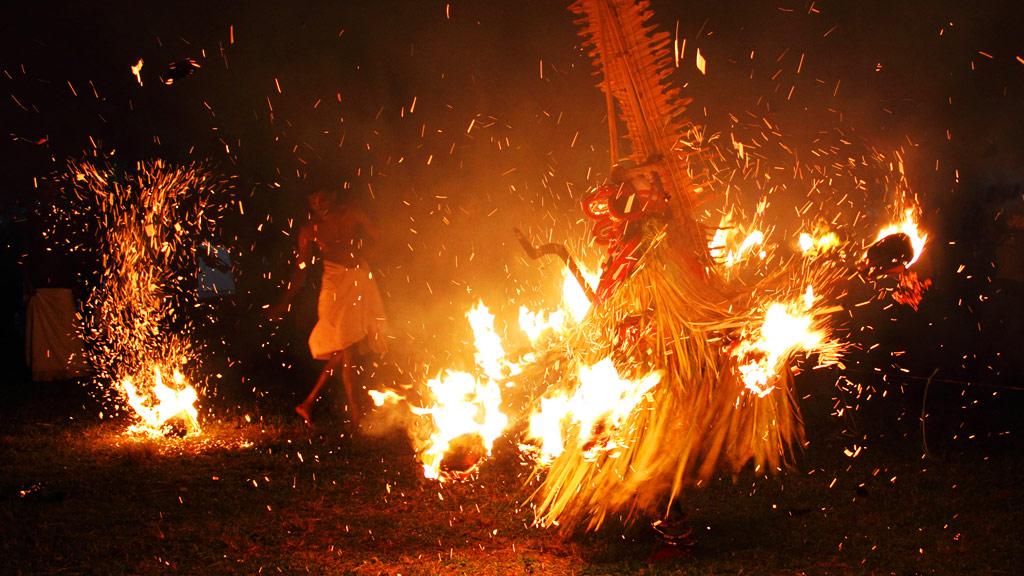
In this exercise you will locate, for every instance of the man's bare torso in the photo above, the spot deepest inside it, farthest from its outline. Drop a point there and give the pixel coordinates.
(340, 235)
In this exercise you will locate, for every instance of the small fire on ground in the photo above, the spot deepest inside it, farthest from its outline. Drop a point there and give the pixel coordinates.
(160, 409)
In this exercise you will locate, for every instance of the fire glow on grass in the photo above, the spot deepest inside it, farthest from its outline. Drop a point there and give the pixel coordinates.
(143, 225)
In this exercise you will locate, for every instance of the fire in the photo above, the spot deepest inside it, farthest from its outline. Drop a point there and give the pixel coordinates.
(573, 309)
(818, 243)
(465, 416)
(490, 353)
(465, 413)
(574, 299)
(785, 329)
(380, 398)
(593, 412)
(908, 225)
(143, 224)
(463, 407)
(159, 404)
(536, 324)
(727, 248)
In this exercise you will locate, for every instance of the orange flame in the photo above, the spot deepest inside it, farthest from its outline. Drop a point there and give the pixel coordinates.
(731, 245)
(573, 308)
(380, 398)
(592, 413)
(908, 225)
(465, 405)
(159, 404)
(785, 329)
(818, 242)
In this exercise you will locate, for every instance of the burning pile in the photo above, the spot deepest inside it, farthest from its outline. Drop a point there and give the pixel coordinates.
(143, 227)
(464, 412)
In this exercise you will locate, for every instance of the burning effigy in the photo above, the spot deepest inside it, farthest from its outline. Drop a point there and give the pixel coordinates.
(143, 228)
(676, 361)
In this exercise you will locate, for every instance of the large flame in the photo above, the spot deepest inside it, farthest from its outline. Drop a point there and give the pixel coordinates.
(786, 328)
(592, 413)
(908, 225)
(490, 353)
(468, 406)
(465, 405)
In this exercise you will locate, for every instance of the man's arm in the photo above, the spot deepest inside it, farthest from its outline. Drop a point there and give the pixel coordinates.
(368, 225)
(297, 278)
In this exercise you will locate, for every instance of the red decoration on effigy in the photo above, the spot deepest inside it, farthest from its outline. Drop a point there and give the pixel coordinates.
(618, 212)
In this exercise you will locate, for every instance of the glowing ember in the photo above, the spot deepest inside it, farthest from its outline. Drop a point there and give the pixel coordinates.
(786, 328)
(596, 409)
(909, 227)
(137, 71)
(160, 404)
(911, 289)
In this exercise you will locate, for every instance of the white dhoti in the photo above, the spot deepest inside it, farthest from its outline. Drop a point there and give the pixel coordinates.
(53, 349)
(350, 310)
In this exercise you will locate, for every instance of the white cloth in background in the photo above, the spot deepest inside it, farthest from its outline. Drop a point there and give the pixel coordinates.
(350, 309)
(53, 349)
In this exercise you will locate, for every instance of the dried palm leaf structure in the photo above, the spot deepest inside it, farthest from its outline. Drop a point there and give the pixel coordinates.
(664, 307)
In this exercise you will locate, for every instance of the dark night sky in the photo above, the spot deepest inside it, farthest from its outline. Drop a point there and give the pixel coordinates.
(907, 71)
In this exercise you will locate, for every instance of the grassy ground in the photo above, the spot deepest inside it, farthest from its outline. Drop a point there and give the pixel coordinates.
(77, 497)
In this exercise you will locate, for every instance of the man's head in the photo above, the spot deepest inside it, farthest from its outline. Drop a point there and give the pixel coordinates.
(321, 201)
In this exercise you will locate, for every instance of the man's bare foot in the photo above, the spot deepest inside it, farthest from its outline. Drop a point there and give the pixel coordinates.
(303, 411)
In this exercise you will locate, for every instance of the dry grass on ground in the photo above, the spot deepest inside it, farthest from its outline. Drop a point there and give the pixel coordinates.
(76, 497)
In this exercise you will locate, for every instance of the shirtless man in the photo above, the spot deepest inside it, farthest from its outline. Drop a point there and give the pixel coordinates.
(350, 311)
